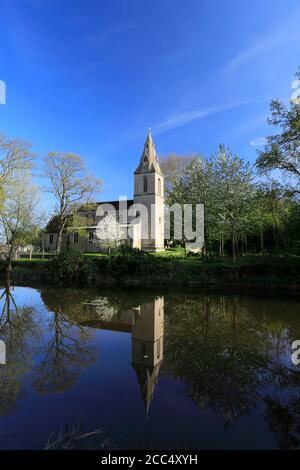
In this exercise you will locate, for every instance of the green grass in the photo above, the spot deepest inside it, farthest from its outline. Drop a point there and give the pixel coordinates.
(95, 255)
(177, 253)
(168, 268)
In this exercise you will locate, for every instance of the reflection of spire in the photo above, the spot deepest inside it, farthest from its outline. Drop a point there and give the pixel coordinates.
(145, 323)
(147, 377)
(147, 346)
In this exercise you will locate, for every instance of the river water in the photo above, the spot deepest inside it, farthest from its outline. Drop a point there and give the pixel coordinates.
(165, 371)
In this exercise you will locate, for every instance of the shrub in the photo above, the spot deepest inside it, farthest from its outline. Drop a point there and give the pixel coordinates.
(68, 268)
(127, 261)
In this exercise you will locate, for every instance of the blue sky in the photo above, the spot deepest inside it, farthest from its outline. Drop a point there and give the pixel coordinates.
(91, 76)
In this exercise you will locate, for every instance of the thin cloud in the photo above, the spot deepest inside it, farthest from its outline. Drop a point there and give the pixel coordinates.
(100, 38)
(183, 118)
(258, 141)
(288, 33)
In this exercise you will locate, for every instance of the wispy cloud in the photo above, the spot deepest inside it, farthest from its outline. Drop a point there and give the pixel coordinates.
(258, 141)
(288, 33)
(183, 118)
(101, 37)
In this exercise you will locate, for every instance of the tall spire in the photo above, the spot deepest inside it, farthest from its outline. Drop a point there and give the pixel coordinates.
(149, 161)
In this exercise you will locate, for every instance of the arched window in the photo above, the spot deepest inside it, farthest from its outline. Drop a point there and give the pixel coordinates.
(159, 186)
(145, 159)
(145, 184)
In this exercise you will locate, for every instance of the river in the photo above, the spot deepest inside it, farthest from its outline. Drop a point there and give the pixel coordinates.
(138, 370)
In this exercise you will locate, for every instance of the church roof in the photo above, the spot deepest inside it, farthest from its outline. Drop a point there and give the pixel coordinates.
(149, 161)
(52, 225)
(89, 206)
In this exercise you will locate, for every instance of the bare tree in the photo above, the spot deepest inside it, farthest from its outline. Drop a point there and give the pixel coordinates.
(70, 185)
(173, 167)
(18, 196)
(15, 156)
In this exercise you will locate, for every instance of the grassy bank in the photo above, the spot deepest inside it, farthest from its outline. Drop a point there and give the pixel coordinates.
(132, 268)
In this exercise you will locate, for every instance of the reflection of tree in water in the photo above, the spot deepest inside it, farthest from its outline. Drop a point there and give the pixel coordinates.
(66, 352)
(283, 413)
(21, 334)
(221, 354)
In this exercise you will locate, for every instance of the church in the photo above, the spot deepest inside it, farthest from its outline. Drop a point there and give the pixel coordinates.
(140, 221)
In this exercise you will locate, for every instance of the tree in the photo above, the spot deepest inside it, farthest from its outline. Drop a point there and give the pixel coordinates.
(195, 185)
(282, 151)
(15, 157)
(223, 183)
(173, 167)
(17, 195)
(109, 232)
(70, 185)
(18, 216)
(234, 192)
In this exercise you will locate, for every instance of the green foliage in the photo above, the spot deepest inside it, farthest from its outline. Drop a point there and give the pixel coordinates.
(282, 150)
(223, 183)
(128, 261)
(68, 268)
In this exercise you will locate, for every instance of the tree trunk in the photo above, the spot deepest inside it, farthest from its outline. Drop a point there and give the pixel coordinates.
(185, 252)
(9, 259)
(59, 239)
(8, 266)
(233, 247)
(262, 244)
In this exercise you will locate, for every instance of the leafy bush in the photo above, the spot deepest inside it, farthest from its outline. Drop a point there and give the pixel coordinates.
(68, 268)
(127, 261)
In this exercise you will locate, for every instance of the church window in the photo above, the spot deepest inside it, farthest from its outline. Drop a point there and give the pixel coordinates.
(76, 237)
(158, 349)
(145, 184)
(159, 186)
(51, 239)
(91, 237)
(145, 159)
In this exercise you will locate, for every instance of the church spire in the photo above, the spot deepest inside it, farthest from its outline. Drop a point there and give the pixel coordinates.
(149, 161)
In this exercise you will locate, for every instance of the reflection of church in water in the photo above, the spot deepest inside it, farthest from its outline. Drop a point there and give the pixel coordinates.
(146, 323)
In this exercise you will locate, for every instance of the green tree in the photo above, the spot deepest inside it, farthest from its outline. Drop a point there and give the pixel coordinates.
(234, 192)
(18, 214)
(17, 194)
(282, 151)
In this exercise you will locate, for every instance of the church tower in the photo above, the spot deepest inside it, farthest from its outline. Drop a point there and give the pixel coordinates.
(149, 191)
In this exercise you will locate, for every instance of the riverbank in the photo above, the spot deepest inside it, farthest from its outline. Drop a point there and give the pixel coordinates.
(273, 275)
